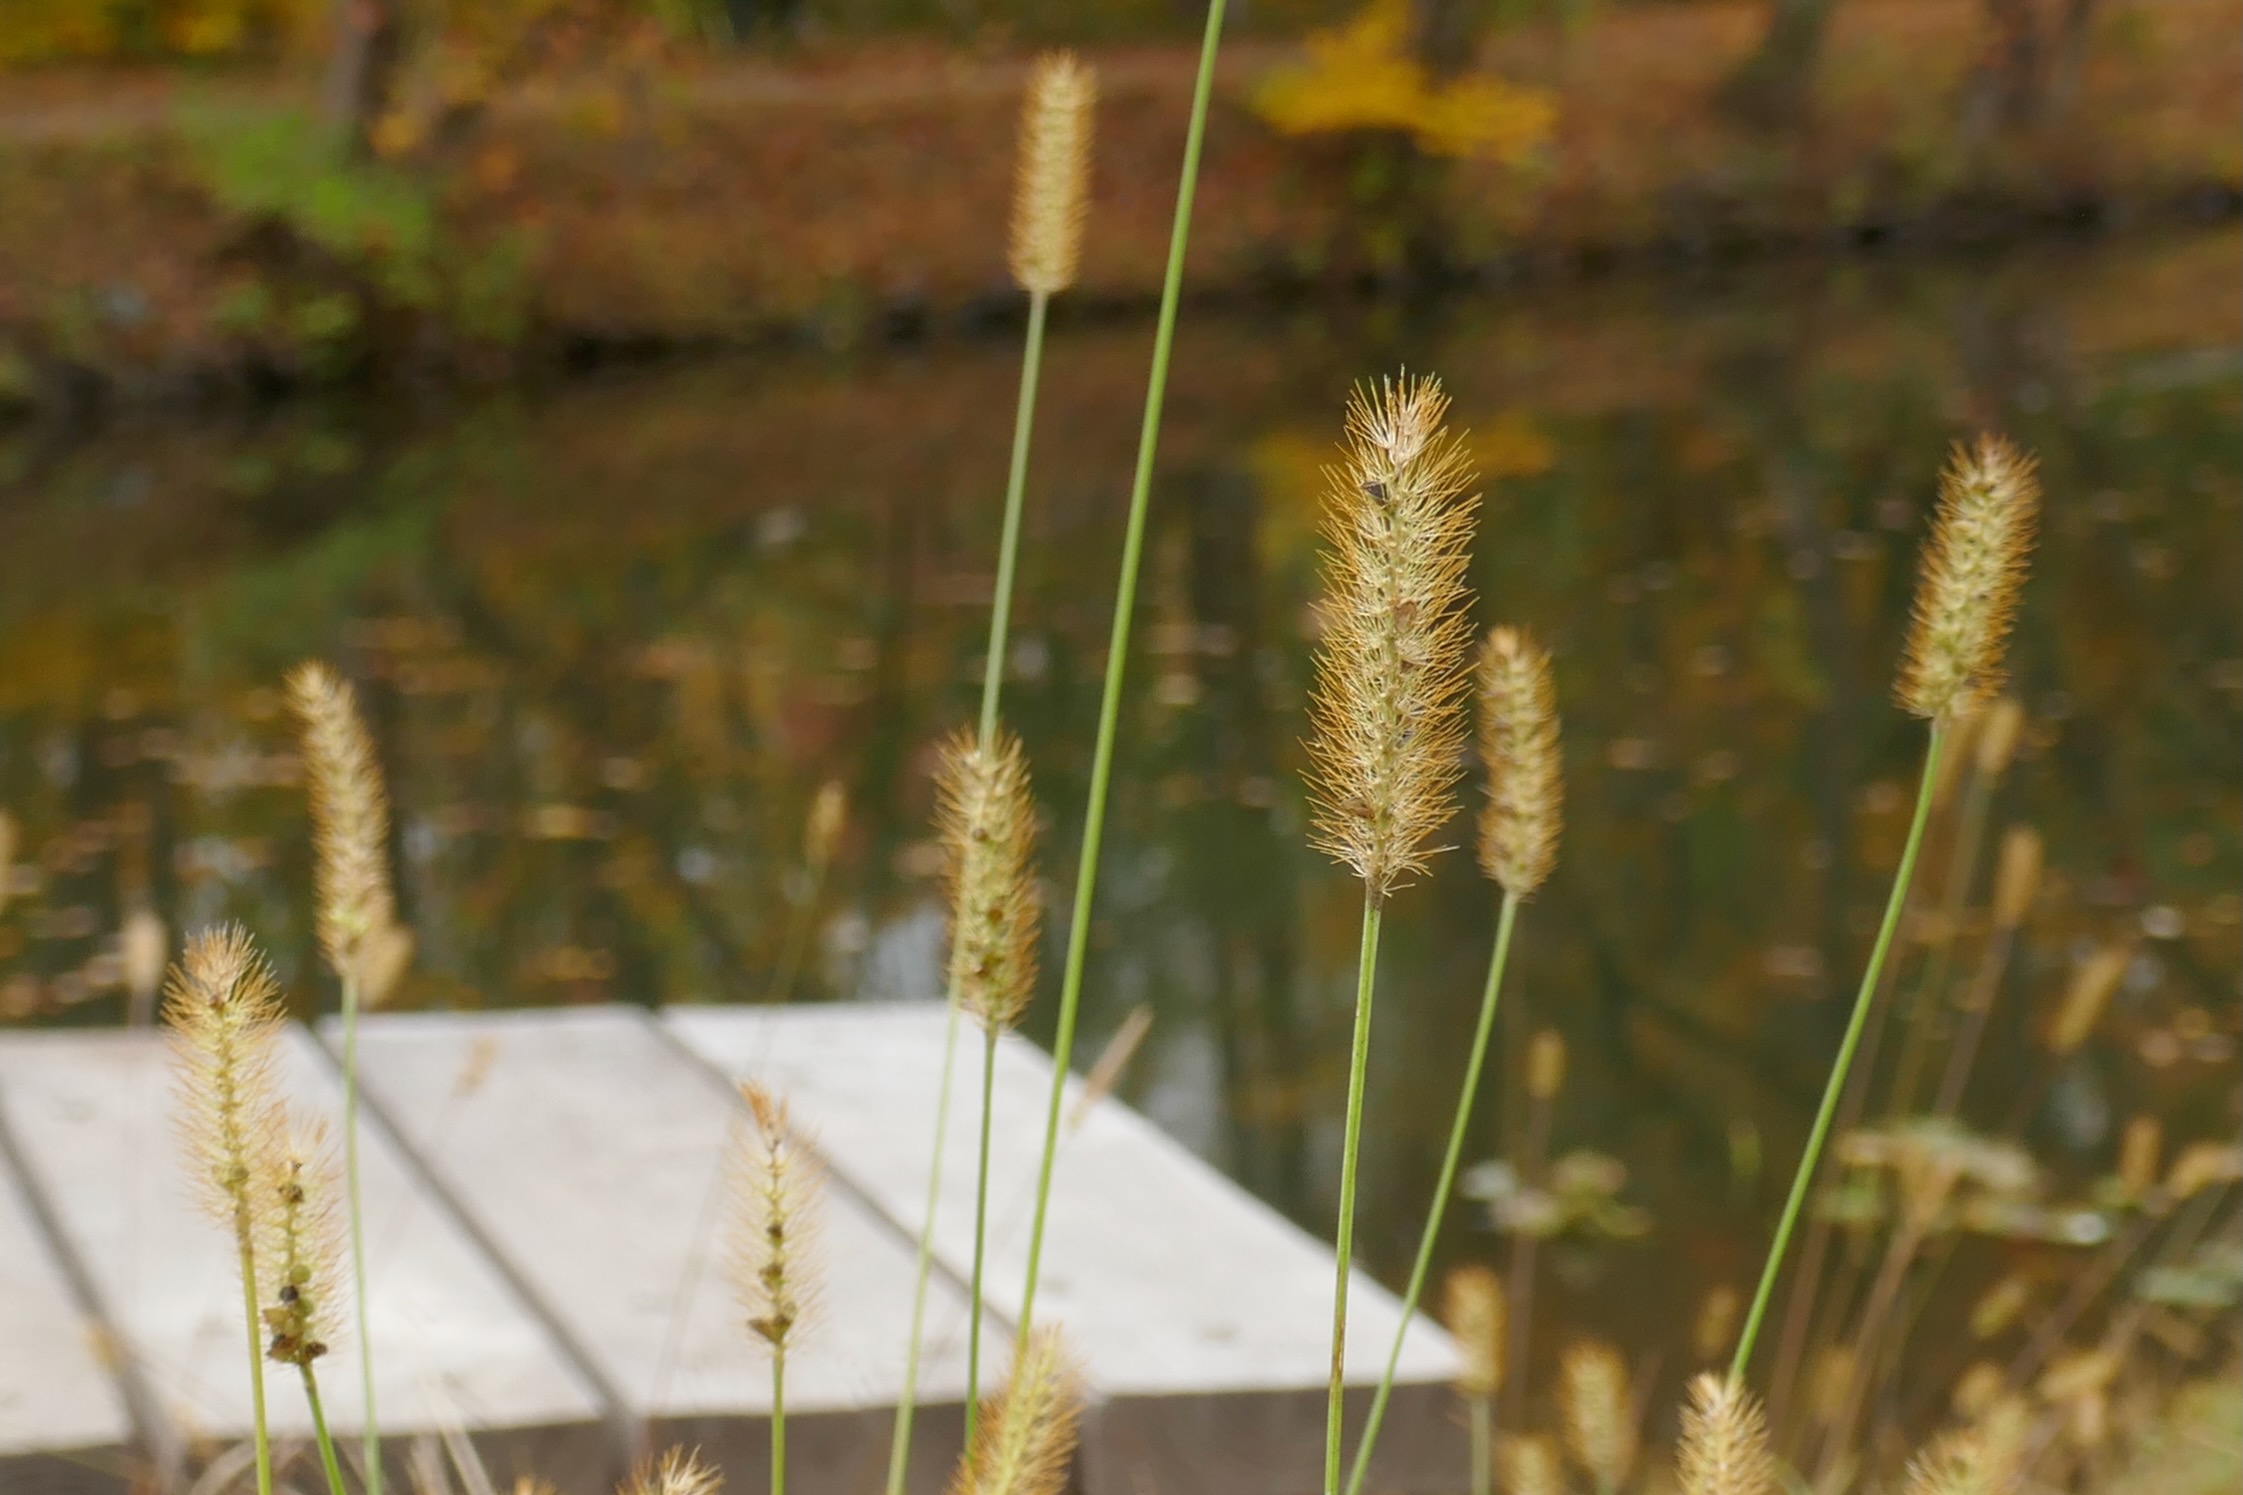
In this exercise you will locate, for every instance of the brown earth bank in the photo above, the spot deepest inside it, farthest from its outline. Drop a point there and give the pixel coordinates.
(167, 236)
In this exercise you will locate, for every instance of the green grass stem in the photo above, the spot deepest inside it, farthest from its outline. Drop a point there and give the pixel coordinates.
(1440, 1205)
(981, 1234)
(263, 1439)
(327, 1460)
(992, 692)
(370, 1438)
(1117, 651)
(1344, 1233)
(1835, 1087)
(779, 1419)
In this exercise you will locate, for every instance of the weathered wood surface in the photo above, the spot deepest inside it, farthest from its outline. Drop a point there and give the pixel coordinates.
(1203, 1318)
(63, 1423)
(590, 1154)
(546, 1223)
(90, 1116)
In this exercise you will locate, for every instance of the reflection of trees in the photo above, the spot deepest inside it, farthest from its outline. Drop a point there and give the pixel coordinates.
(614, 639)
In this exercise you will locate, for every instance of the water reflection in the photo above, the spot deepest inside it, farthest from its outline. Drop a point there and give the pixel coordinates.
(615, 636)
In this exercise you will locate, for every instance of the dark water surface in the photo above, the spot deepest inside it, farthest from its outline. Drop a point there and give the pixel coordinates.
(614, 636)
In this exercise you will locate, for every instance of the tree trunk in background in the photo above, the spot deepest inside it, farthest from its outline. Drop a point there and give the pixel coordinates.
(1774, 86)
(369, 44)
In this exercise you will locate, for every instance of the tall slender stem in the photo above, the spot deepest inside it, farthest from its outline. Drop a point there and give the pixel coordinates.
(248, 1257)
(1926, 1010)
(899, 1444)
(327, 1460)
(1482, 1412)
(1358, 1063)
(370, 1436)
(1117, 651)
(779, 1419)
(992, 691)
(1457, 1128)
(981, 1233)
(1008, 543)
(1837, 1083)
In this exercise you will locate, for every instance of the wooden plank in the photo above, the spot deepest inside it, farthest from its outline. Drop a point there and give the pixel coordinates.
(589, 1151)
(1203, 1317)
(63, 1423)
(90, 1114)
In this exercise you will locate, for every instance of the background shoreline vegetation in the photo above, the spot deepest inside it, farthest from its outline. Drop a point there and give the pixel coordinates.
(554, 183)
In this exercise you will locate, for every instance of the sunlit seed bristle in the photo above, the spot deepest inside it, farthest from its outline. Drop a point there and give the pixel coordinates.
(987, 815)
(224, 1016)
(1972, 571)
(2017, 877)
(1392, 671)
(301, 1224)
(1725, 1448)
(1026, 1432)
(350, 833)
(1958, 1463)
(1519, 746)
(1599, 1427)
(1051, 184)
(679, 1472)
(775, 1189)
(1472, 1307)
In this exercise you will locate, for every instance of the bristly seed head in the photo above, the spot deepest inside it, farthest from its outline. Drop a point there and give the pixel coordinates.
(1392, 668)
(1599, 1425)
(1051, 184)
(987, 815)
(679, 1473)
(775, 1190)
(224, 1015)
(1725, 1447)
(1972, 570)
(1472, 1307)
(1026, 1434)
(1519, 745)
(358, 928)
(302, 1224)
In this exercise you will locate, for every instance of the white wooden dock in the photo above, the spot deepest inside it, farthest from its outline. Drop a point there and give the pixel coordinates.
(545, 1220)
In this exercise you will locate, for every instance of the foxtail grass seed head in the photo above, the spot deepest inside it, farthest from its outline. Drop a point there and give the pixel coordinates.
(1998, 735)
(2017, 876)
(1532, 1466)
(2138, 1150)
(1545, 1064)
(303, 1229)
(1599, 1427)
(1519, 745)
(1051, 183)
(1715, 1328)
(1973, 567)
(1998, 1307)
(829, 817)
(2087, 996)
(1391, 667)
(1725, 1447)
(678, 1472)
(350, 830)
(776, 1190)
(224, 1016)
(1472, 1307)
(988, 820)
(1026, 1434)
(1959, 1463)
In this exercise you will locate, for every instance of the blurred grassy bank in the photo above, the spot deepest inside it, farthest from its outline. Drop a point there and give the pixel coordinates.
(172, 234)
